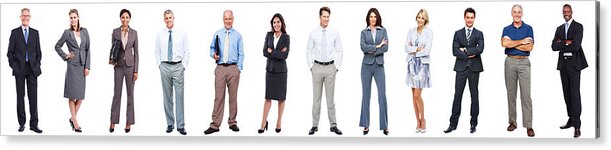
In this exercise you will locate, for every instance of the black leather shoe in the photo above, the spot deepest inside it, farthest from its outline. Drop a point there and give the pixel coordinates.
(577, 133)
(313, 130)
(472, 130)
(182, 131)
(21, 128)
(385, 132)
(278, 130)
(336, 130)
(127, 130)
(111, 130)
(35, 129)
(169, 129)
(210, 130)
(365, 131)
(234, 128)
(450, 129)
(566, 126)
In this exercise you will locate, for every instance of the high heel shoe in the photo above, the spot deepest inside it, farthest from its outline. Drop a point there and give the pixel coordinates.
(71, 123)
(111, 129)
(264, 128)
(278, 130)
(365, 131)
(385, 132)
(127, 130)
(78, 130)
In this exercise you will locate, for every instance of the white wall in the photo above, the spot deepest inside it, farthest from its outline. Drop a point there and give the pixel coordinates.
(252, 21)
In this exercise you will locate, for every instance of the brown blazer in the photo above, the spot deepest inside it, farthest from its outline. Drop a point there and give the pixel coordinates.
(130, 51)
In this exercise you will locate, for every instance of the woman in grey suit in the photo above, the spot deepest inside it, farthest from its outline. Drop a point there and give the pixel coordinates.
(374, 43)
(77, 60)
(126, 67)
(276, 49)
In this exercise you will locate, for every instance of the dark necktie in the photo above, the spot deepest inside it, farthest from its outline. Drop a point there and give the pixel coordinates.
(468, 35)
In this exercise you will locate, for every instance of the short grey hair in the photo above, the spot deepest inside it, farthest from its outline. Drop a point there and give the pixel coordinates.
(168, 12)
(517, 5)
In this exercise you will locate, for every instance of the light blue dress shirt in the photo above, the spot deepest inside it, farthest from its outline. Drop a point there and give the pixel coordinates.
(236, 47)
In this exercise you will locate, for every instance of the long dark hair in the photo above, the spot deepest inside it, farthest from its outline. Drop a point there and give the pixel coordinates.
(271, 22)
(378, 17)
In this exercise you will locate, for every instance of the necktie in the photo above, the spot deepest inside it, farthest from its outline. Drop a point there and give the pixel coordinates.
(468, 35)
(566, 29)
(170, 45)
(27, 57)
(226, 48)
(324, 38)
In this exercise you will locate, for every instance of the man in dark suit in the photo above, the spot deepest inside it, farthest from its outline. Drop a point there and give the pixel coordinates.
(24, 56)
(571, 61)
(468, 46)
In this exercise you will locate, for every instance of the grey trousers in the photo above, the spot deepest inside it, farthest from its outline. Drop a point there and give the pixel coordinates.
(375, 71)
(127, 73)
(518, 71)
(172, 76)
(323, 75)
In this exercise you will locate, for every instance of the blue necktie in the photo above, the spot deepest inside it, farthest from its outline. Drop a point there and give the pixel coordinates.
(27, 57)
(170, 47)
(468, 35)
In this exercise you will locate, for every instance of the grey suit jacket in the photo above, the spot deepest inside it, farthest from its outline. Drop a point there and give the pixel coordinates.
(475, 46)
(371, 53)
(130, 51)
(81, 52)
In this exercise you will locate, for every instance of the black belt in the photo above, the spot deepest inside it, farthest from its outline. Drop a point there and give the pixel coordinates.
(324, 63)
(172, 62)
(227, 64)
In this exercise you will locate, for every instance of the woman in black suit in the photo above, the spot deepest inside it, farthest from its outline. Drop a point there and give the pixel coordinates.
(276, 49)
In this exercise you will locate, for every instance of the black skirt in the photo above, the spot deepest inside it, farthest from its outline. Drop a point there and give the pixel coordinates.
(275, 85)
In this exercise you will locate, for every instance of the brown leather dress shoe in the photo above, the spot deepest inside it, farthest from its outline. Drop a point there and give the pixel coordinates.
(577, 133)
(512, 126)
(530, 132)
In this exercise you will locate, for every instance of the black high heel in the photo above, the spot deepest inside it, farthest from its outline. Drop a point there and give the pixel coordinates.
(111, 129)
(264, 128)
(78, 130)
(71, 123)
(278, 130)
(365, 131)
(127, 130)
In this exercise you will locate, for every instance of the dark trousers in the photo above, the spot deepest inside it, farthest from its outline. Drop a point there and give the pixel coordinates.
(461, 78)
(31, 80)
(572, 97)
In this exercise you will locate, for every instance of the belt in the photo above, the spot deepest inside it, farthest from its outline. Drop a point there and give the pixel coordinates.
(172, 62)
(517, 56)
(227, 64)
(324, 63)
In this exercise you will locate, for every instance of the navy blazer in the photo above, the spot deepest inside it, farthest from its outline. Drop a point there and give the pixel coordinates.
(17, 48)
(276, 60)
(475, 46)
(371, 53)
(575, 33)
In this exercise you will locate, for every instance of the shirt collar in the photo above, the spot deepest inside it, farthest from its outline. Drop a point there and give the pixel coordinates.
(469, 28)
(24, 27)
(377, 28)
(523, 24)
(570, 21)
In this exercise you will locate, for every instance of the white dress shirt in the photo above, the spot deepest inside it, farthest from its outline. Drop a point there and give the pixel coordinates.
(329, 50)
(180, 46)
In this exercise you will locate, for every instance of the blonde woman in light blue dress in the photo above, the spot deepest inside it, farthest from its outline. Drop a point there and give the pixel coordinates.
(418, 47)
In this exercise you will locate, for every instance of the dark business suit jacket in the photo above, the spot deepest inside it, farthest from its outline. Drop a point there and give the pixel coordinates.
(475, 46)
(575, 33)
(373, 54)
(276, 61)
(130, 51)
(17, 49)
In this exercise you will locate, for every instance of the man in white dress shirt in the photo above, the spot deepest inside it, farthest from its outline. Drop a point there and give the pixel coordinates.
(324, 55)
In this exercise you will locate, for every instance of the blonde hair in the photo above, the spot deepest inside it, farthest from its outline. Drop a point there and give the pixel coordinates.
(425, 15)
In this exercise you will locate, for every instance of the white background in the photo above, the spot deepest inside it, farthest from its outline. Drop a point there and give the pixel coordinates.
(252, 21)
